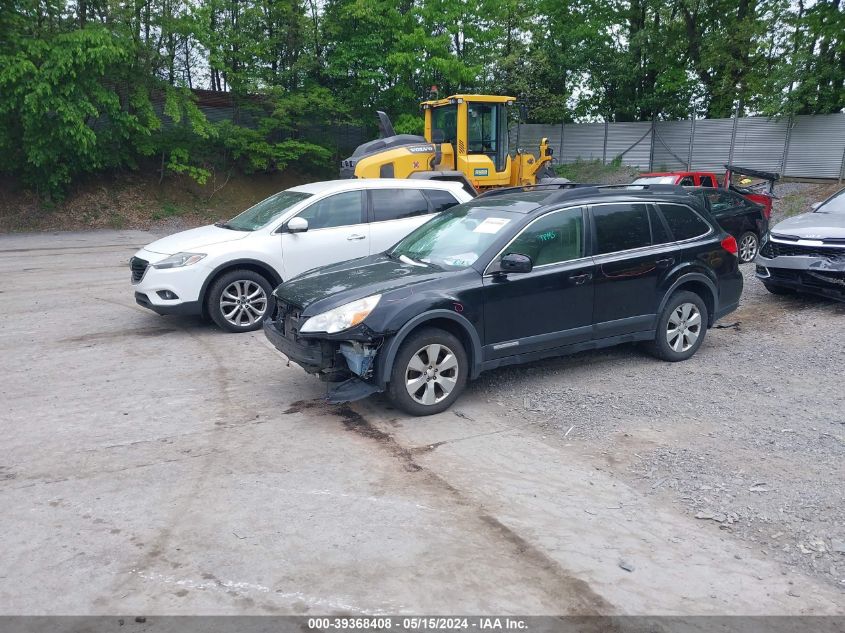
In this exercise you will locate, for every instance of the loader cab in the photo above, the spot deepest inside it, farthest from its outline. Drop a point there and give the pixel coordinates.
(472, 132)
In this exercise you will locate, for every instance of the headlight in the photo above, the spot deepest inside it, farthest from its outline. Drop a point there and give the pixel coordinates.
(342, 318)
(179, 260)
(765, 238)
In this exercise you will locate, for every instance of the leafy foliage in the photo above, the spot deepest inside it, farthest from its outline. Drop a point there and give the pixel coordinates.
(90, 86)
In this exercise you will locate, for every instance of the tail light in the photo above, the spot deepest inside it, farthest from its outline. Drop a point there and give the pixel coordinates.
(729, 244)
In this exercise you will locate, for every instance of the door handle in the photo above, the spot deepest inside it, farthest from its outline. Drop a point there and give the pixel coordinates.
(666, 261)
(356, 236)
(580, 279)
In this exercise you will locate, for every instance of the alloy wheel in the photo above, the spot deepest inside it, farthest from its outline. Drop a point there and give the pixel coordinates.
(684, 327)
(243, 302)
(432, 374)
(748, 248)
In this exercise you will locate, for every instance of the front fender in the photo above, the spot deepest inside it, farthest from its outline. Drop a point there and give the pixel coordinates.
(384, 362)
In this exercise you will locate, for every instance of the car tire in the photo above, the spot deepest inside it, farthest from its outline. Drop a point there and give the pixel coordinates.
(239, 300)
(748, 245)
(412, 368)
(680, 328)
(778, 290)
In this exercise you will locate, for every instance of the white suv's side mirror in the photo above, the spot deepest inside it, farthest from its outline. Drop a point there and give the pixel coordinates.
(297, 225)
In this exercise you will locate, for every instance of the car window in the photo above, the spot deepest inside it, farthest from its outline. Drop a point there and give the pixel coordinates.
(456, 238)
(341, 209)
(707, 181)
(722, 202)
(440, 200)
(659, 234)
(621, 227)
(265, 211)
(684, 223)
(654, 180)
(556, 237)
(687, 181)
(393, 204)
(834, 204)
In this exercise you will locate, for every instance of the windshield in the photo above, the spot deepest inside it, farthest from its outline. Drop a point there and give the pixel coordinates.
(655, 180)
(457, 237)
(834, 204)
(265, 211)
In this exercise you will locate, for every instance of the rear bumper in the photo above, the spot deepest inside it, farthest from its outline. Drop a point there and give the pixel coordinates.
(815, 275)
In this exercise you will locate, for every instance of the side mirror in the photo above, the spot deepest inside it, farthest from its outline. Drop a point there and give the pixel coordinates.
(297, 225)
(815, 205)
(516, 263)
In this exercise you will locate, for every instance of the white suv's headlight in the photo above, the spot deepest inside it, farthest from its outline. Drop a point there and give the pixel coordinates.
(342, 318)
(179, 260)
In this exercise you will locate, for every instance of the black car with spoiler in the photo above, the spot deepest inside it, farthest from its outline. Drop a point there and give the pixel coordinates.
(509, 278)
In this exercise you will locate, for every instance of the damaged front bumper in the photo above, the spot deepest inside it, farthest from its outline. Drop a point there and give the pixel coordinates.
(820, 275)
(347, 365)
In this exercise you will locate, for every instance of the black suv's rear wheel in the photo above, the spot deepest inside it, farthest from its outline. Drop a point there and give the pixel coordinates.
(239, 300)
(680, 328)
(429, 372)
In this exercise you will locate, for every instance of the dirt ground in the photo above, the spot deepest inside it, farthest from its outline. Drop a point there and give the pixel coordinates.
(155, 465)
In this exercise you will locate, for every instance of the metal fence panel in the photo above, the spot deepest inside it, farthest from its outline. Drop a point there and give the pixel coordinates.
(760, 143)
(816, 146)
(712, 144)
(530, 135)
(584, 141)
(672, 153)
(632, 138)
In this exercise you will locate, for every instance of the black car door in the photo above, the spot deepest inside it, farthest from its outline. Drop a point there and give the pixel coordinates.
(632, 252)
(731, 212)
(552, 305)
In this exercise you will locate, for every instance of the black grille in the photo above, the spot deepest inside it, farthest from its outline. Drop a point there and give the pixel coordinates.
(777, 249)
(139, 267)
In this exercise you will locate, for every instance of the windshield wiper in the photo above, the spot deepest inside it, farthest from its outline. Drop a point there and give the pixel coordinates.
(225, 225)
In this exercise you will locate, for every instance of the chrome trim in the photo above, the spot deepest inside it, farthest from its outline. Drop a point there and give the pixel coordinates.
(804, 242)
(505, 345)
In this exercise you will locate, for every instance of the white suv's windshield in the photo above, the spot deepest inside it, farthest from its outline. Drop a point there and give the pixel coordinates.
(265, 211)
(457, 237)
(834, 204)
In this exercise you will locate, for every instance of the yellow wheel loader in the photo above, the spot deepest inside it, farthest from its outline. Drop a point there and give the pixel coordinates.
(466, 140)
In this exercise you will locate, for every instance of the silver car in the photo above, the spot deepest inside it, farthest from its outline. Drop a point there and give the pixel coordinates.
(807, 252)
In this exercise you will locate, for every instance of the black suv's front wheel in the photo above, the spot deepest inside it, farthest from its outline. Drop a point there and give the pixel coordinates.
(680, 328)
(429, 372)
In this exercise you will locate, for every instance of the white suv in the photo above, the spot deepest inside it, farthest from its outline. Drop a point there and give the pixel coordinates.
(227, 271)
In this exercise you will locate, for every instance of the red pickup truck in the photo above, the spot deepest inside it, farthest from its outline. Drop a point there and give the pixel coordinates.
(761, 193)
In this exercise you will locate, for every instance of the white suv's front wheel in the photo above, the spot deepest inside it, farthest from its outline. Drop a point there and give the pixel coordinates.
(239, 300)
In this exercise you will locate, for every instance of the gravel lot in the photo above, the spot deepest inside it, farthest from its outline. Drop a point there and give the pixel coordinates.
(156, 465)
(748, 436)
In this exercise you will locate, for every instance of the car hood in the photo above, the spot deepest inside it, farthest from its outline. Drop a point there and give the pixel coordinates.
(812, 226)
(331, 286)
(194, 239)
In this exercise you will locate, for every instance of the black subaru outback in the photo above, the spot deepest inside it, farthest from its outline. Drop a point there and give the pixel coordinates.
(508, 279)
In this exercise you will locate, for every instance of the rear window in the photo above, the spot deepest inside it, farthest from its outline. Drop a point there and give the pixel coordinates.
(621, 227)
(440, 200)
(654, 180)
(684, 223)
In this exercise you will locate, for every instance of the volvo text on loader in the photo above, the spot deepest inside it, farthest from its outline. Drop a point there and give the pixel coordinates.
(466, 140)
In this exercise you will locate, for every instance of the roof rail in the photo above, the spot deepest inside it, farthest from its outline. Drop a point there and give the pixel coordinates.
(501, 191)
(594, 189)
